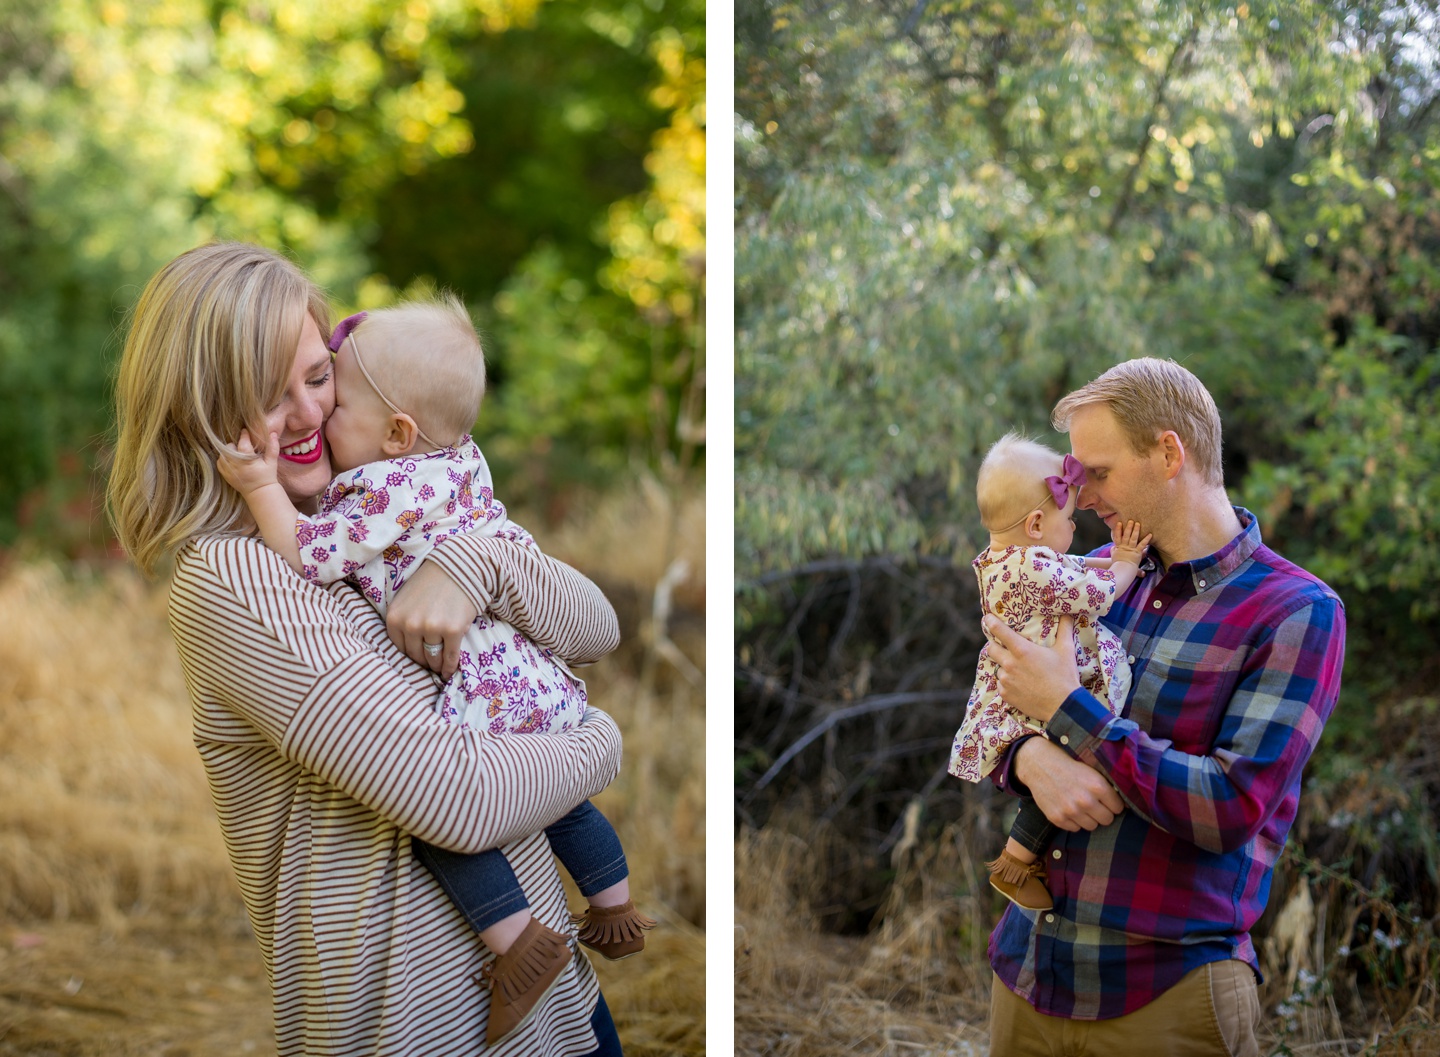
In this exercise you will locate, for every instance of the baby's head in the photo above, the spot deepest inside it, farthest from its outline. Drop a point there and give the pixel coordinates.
(426, 380)
(1017, 504)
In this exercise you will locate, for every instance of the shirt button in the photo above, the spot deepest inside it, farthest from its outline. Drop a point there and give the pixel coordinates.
(1131, 658)
(1064, 739)
(1202, 583)
(1055, 854)
(1156, 603)
(1050, 919)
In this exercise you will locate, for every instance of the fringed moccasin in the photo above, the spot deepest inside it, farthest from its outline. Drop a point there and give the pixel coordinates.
(616, 932)
(1023, 884)
(523, 977)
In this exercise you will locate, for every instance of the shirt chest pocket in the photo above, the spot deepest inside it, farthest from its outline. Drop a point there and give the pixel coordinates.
(1180, 693)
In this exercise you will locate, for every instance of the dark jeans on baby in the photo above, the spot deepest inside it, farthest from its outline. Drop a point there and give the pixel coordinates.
(485, 889)
(1031, 829)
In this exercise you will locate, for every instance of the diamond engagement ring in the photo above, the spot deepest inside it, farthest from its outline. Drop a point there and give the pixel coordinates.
(432, 649)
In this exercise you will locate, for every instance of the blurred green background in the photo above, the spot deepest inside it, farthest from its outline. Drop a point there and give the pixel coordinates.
(952, 212)
(542, 158)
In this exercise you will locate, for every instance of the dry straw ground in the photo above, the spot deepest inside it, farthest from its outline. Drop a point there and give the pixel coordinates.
(919, 984)
(121, 931)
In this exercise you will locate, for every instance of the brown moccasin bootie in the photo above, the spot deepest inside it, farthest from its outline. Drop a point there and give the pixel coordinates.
(616, 932)
(523, 977)
(1022, 884)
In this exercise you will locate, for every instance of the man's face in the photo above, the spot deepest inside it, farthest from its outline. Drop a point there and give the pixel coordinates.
(1119, 485)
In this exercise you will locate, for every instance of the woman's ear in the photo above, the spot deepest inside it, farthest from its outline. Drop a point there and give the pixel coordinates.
(400, 435)
(1033, 524)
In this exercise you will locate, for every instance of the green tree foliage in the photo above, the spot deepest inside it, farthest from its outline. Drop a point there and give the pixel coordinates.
(385, 145)
(951, 212)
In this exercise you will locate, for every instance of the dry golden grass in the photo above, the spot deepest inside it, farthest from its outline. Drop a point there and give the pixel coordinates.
(121, 930)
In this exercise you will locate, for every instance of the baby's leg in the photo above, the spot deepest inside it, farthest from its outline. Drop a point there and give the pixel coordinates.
(1019, 874)
(484, 888)
(1030, 833)
(587, 846)
(589, 849)
(1019, 851)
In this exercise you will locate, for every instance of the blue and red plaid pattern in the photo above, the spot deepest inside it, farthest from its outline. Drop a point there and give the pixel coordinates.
(1236, 664)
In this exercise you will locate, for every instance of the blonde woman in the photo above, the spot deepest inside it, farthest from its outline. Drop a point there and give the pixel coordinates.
(314, 718)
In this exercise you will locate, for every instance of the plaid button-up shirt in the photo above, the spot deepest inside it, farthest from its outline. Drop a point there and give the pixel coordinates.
(1236, 661)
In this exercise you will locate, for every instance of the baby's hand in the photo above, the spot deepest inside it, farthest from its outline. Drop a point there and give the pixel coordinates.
(250, 475)
(1128, 546)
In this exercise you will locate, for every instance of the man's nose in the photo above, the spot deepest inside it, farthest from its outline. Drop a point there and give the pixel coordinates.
(1086, 499)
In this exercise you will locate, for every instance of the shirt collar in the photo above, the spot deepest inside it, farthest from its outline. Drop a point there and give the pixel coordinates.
(1209, 571)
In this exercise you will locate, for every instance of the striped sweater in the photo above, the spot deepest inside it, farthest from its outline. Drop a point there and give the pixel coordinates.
(324, 756)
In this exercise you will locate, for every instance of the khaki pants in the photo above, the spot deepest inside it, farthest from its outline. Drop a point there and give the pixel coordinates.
(1213, 1011)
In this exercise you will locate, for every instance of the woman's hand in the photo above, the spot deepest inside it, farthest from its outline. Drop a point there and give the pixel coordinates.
(433, 611)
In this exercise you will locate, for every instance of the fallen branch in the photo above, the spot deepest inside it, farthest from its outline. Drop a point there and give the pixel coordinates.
(879, 703)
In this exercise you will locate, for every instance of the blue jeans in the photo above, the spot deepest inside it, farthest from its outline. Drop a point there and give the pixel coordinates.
(605, 1033)
(485, 889)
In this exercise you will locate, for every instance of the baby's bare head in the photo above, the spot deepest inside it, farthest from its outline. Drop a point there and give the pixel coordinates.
(1011, 481)
(426, 357)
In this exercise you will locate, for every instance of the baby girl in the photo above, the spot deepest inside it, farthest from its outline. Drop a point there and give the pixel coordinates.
(1027, 495)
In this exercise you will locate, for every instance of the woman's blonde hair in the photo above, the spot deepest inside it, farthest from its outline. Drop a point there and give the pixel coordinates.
(210, 346)
(1149, 396)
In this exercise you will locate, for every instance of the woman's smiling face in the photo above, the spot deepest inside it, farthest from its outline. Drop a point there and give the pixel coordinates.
(307, 402)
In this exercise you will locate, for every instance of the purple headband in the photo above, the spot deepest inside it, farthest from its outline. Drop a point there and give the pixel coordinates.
(343, 328)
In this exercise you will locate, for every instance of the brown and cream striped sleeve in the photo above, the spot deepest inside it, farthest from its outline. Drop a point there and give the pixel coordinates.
(290, 662)
(546, 599)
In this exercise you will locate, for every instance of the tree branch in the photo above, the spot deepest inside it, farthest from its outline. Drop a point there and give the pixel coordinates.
(878, 703)
(1122, 206)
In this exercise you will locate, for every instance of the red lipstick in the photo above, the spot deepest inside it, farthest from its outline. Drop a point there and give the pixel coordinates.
(311, 456)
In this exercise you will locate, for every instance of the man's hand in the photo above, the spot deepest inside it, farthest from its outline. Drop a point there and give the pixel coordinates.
(432, 609)
(1034, 680)
(250, 475)
(1073, 795)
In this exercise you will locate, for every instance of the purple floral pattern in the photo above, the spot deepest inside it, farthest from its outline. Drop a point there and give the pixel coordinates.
(1031, 588)
(393, 514)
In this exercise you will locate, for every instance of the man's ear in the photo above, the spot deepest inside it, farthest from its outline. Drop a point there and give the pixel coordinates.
(1033, 521)
(400, 435)
(1172, 453)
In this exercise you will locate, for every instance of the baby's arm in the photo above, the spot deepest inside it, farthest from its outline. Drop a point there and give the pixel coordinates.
(1097, 563)
(1126, 553)
(258, 483)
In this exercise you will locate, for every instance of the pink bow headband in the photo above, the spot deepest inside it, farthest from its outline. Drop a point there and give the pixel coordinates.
(337, 338)
(1072, 475)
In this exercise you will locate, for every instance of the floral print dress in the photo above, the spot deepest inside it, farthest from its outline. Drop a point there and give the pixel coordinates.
(1031, 588)
(377, 522)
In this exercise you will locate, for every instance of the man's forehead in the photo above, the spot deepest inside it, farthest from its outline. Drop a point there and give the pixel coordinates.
(1095, 436)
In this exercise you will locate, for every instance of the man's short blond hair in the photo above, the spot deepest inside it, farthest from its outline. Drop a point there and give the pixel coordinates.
(426, 357)
(1149, 396)
(1011, 481)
